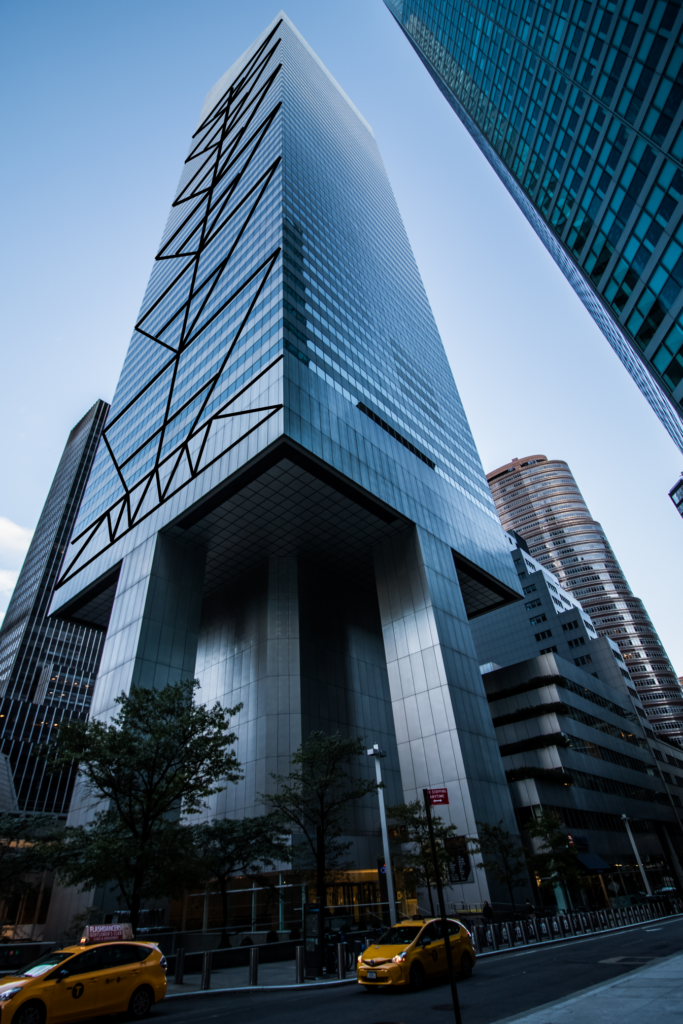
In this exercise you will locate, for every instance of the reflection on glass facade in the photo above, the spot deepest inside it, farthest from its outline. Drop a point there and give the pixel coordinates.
(577, 106)
(48, 667)
(676, 495)
(287, 502)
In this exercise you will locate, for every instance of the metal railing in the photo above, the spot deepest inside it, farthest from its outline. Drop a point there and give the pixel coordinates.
(540, 928)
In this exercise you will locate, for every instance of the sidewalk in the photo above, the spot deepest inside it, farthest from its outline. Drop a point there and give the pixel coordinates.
(232, 978)
(650, 995)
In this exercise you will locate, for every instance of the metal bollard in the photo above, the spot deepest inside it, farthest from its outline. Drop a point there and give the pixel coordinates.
(357, 951)
(253, 965)
(300, 973)
(341, 960)
(570, 919)
(494, 935)
(179, 965)
(206, 971)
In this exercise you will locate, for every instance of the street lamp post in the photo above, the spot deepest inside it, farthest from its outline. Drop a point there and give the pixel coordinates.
(646, 883)
(378, 755)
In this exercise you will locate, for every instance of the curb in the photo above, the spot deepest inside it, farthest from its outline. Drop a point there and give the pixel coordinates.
(253, 989)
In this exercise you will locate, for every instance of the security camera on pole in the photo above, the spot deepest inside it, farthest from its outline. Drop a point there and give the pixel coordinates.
(378, 754)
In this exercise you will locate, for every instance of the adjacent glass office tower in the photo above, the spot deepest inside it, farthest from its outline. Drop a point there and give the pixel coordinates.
(48, 667)
(577, 106)
(287, 501)
(540, 499)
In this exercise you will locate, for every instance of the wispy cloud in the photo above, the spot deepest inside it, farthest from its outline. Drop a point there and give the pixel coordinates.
(14, 542)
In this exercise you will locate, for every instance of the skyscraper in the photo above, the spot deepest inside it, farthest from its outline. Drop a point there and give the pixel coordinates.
(287, 501)
(577, 107)
(540, 499)
(48, 667)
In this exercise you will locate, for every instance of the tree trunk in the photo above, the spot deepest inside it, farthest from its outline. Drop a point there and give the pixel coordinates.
(225, 939)
(136, 897)
(320, 868)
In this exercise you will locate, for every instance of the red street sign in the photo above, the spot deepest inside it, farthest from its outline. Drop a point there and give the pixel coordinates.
(437, 796)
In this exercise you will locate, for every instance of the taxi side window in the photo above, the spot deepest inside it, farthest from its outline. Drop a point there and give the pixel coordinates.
(84, 963)
(431, 932)
(121, 955)
(453, 928)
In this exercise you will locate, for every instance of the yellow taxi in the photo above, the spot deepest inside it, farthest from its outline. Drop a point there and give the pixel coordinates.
(77, 982)
(413, 953)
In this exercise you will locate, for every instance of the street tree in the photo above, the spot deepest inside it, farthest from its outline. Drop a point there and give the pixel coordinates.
(413, 832)
(503, 857)
(314, 797)
(555, 861)
(155, 763)
(239, 846)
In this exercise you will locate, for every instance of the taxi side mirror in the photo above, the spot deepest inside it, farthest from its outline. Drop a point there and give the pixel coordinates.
(61, 975)
(426, 942)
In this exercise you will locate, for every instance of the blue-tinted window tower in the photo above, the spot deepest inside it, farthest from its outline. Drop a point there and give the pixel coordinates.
(287, 502)
(578, 107)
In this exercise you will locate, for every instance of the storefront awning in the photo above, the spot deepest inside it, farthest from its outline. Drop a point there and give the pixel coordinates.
(593, 863)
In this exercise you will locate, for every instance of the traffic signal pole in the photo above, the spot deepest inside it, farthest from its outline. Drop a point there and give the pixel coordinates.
(442, 908)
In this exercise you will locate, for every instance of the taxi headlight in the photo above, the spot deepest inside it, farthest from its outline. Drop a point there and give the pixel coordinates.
(399, 958)
(8, 993)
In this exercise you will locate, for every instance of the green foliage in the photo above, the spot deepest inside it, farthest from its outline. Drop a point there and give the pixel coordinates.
(556, 862)
(23, 852)
(156, 761)
(313, 798)
(503, 857)
(413, 831)
(244, 846)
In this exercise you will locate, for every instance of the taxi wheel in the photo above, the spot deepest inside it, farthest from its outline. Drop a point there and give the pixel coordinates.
(417, 976)
(30, 1013)
(141, 1003)
(465, 967)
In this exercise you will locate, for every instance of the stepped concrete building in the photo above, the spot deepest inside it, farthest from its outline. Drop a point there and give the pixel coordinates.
(287, 502)
(540, 500)
(47, 666)
(578, 108)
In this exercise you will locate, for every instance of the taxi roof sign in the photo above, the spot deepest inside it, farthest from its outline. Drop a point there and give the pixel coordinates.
(107, 933)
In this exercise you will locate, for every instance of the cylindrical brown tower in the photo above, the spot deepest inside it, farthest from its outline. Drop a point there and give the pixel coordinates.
(540, 499)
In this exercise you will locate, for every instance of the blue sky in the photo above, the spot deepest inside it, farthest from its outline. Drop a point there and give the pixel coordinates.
(98, 104)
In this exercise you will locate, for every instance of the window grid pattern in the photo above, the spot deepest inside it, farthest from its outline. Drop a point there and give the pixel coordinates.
(578, 106)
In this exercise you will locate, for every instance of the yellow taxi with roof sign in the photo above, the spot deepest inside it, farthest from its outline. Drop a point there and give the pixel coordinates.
(85, 981)
(413, 952)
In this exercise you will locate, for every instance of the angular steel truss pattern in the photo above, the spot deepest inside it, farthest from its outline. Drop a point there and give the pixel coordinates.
(217, 198)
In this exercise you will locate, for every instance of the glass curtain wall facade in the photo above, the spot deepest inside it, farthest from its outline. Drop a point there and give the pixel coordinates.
(540, 499)
(287, 502)
(577, 106)
(48, 667)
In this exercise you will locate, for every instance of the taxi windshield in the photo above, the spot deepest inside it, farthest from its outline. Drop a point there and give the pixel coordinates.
(40, 966)
(402, 935)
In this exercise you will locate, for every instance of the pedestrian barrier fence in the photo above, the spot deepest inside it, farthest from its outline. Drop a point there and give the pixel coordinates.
(542, 928)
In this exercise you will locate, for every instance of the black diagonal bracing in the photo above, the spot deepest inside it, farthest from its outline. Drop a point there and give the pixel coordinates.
(219, 196)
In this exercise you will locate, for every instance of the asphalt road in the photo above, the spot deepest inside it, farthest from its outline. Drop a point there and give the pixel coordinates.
(500, 987)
